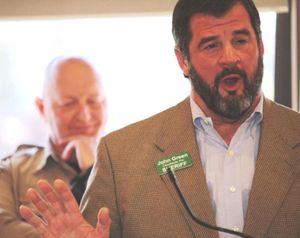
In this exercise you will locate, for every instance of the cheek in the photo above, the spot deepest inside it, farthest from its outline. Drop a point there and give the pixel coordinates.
(63, 120)
(207, 70)
(98, 113)
(98, 117)
(250, 65)
(249, 60)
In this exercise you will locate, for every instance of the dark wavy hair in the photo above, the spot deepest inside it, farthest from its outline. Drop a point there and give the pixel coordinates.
(185, 9)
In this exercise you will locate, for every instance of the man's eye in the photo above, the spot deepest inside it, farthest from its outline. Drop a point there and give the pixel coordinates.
(211, 46)
(68, 104)
(95, 103)
(240, 42)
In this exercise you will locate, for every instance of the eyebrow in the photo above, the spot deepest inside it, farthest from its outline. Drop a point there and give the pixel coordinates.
(245, 32)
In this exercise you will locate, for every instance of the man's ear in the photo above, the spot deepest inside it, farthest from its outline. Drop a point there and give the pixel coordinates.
(182, 61)
(40, 106)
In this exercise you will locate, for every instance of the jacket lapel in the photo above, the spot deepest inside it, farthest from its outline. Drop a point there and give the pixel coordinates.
(178, 136)
(274, 174)
(274, 171)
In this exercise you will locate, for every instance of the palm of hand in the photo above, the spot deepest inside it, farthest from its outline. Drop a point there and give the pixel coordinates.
(70, 226)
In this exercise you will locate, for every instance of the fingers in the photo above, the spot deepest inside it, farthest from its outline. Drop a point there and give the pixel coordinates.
(50, 208)
(40, 204)
(68, 151)
(83, 148)
(72, 144)
(55, 205)
(62, 217)
(85, 153)
(65, 193)
(104, 222)
(51, 196)
(34, 220)
(59, 198)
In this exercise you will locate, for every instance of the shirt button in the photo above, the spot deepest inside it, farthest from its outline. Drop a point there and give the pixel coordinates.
(235, 228)
(231, 153)
(232, 189)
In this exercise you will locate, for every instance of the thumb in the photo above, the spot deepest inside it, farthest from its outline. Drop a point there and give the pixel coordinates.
(68, 151)
(104, 223)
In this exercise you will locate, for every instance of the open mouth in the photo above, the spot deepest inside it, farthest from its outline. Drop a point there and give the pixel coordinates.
(231, 82)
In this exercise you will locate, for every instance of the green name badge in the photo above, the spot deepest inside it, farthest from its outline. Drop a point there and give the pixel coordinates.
(175, 162)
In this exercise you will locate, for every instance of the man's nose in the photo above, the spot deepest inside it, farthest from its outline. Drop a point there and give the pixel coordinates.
(229, 56)
(84, 112)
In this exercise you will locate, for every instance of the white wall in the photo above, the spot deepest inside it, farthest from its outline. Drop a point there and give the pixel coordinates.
(46, 8)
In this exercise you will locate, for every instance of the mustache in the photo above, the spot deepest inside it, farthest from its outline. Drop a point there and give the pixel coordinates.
(229, 71)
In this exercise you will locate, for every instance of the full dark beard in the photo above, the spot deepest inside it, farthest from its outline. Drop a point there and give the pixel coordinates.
(231, 106)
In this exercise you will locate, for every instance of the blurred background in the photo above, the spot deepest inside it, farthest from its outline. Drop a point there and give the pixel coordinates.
(131, 45)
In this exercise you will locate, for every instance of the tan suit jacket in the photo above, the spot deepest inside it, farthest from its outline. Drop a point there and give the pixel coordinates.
(144, 204)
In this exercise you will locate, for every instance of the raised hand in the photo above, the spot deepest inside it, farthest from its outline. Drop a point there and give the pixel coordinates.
(85, 149)
(60, 214)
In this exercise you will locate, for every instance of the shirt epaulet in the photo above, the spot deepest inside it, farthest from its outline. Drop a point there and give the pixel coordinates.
(26, 150)
(27, 146)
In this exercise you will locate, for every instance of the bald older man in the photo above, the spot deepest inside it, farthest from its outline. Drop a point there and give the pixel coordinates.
(73, 106)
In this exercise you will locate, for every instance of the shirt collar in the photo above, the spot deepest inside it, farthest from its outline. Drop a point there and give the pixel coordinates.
(48, 154)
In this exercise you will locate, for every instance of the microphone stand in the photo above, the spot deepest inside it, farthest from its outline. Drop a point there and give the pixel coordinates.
(173, 179)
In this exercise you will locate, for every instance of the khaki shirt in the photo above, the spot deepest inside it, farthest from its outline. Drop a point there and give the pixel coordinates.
(19, 172)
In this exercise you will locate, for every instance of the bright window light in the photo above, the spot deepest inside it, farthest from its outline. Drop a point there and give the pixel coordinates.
(134, 55)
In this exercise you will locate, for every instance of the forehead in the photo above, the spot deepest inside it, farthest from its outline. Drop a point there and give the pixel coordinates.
(236, 17)
(75, 78)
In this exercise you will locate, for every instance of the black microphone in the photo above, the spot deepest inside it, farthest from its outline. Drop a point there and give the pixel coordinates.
(172, 177)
